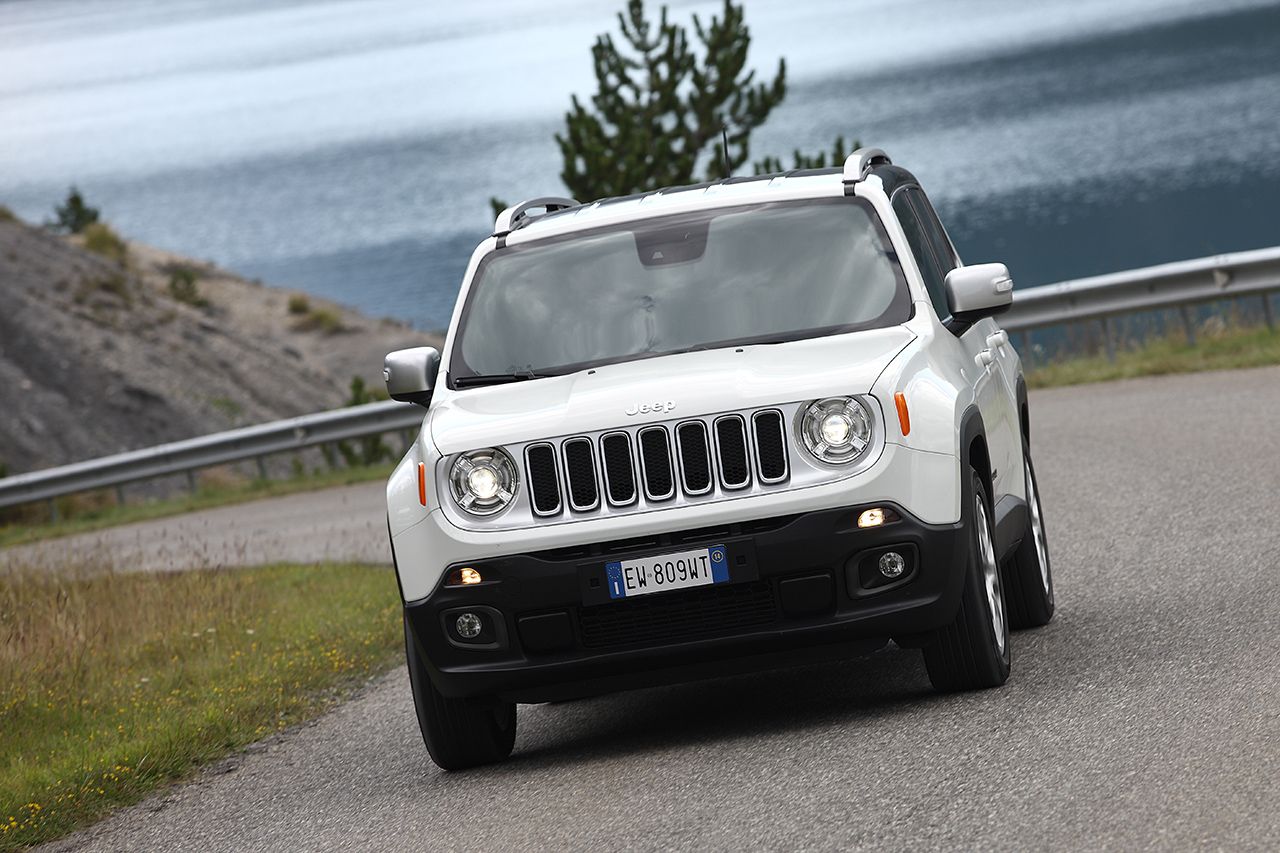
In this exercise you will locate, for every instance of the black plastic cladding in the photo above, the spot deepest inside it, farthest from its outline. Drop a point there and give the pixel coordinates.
(735, 464)
(580, 472)
(619, 468)
(655, 451)
(695, 456)
(544, 485)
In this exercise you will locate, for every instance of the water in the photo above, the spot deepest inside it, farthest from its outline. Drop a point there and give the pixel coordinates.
(350, 148)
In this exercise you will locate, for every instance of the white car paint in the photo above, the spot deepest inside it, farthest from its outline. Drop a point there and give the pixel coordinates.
(942, 376)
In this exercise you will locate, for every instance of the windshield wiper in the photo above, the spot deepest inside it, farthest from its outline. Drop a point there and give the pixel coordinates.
(495, 379)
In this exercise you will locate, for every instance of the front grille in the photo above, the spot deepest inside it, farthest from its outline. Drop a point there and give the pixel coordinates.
(771, 446)
(731, 441)
(580, 474)
(695, 457)
(619, 472)
(544, 485)
(628, 468)
(675, 617)
(655, 461)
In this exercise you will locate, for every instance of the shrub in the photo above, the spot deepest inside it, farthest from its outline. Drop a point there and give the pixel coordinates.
(99, 238)
(299, 304)
(7, 215)
(184, 288)
(371, 449)
(324, 320)
(73, 215)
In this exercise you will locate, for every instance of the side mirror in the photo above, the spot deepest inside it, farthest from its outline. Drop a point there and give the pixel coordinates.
(979, 291)
(410, 374)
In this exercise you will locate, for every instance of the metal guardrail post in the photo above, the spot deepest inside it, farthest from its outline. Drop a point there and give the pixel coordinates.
(1188, 325)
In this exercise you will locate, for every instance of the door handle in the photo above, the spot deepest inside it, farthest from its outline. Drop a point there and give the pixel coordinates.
(999, 339)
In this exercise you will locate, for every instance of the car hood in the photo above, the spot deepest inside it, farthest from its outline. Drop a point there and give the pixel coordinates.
(683, 385)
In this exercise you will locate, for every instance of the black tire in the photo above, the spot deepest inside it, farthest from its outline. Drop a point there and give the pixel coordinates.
(459, 733)
(972, 653)
(1028, 580)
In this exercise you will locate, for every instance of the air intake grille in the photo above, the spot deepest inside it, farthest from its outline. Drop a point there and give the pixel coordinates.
(695, 457)
(771, 447)
(544, 485)
(731, 440)
(580, 471)
(655, 455)
(676, 617)
(625, 469)
(619, 473)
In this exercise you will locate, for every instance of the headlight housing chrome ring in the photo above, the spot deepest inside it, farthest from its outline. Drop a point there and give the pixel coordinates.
(483, 482)
(836, 430)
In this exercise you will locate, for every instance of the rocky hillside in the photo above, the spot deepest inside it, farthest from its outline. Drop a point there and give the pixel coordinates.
(116, 346)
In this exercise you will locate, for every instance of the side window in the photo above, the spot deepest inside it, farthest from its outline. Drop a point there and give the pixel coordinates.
(937, 234)
(919, 240)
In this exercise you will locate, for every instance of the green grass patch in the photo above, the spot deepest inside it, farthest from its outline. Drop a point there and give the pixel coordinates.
(99, 238)
(1228, 348)
(323, 320)
(86, 513)
(114, 685)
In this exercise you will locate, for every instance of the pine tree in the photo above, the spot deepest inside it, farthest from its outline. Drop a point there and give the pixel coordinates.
(800, 160)
(660, 107)
(73, 216)
(664, 108)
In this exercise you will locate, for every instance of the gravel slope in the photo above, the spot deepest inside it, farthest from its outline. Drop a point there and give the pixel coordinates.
(1146, 716)
(98, 356)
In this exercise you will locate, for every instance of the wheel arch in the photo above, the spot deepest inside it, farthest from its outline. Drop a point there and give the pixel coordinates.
(973, 446)
(1024, 410)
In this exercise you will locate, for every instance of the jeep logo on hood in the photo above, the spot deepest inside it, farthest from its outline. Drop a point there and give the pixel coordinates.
(655, 408)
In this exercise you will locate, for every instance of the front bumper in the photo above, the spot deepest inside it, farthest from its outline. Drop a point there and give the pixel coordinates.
(802, 588)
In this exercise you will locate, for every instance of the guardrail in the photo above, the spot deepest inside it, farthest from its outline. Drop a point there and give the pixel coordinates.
(1181, 284)
(190, 455)
(1177, 285)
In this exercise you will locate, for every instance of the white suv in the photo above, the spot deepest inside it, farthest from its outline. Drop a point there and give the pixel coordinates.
(709, 429)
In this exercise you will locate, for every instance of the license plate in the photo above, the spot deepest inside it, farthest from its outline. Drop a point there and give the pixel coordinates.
(645, 575)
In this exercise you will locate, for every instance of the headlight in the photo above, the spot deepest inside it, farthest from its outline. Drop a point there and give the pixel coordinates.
(836, 430)
(484, 482)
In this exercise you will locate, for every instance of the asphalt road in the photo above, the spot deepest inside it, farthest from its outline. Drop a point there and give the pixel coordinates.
(1145, 716)
(340, 524)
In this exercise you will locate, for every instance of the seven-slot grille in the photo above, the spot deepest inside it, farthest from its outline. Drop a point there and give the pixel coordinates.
(657, 462)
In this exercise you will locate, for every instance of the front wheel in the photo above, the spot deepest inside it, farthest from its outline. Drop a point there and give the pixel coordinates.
(459, 733)
(1029, 582)
(973, 651)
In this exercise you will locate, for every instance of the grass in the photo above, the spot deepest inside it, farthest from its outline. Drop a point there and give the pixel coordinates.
(83, 514)
(184, 286)
(99, 238)
(115, 685)
(324, 320)
(1221, 348)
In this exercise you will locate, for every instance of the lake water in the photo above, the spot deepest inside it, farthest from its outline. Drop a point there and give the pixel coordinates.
(350, 148)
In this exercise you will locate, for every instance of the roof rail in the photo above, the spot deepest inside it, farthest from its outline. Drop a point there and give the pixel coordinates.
(860, 162)
(517, 216)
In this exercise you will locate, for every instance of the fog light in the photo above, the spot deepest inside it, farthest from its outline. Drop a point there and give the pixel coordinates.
(891, 565)
(871, 517)
(469, 625)
(464, 577)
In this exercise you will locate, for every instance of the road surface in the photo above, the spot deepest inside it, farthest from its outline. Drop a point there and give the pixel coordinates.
(348, 523)
(1145, 716)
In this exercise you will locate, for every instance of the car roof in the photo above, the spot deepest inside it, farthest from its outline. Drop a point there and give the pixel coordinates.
(754, 189)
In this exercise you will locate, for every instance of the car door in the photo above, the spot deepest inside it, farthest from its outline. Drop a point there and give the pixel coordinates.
(980, 343)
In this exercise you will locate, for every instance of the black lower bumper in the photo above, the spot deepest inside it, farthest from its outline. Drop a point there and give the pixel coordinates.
(801, 588)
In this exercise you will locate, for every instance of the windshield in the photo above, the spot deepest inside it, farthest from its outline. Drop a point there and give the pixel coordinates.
(764, 273)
